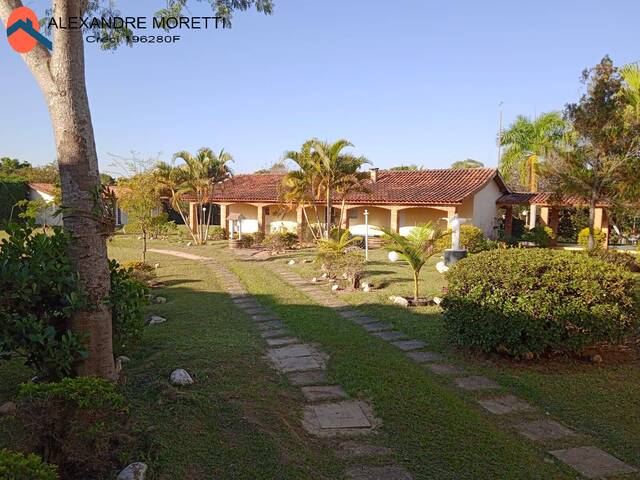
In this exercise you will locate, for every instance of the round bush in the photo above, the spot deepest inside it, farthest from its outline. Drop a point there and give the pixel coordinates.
(471, 237)
(534, 300)
(625, 260)
(16, 466)
(539, 235)
(600, 236)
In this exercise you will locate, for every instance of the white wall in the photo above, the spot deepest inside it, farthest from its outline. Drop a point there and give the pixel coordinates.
(485, 209)
(49, 217)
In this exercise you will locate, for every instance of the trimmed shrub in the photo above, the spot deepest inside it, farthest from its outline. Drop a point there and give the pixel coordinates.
(77, 423)
(539, 235)
(216, 232)
(600, 237)
(280, 241)
(533, 300)
(16, 466)
(471, 237)
(625, 260)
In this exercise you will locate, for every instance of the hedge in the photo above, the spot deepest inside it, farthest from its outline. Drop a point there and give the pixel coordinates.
(11, 192)
(522, 301)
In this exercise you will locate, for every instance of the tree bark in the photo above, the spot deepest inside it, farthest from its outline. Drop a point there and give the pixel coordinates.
(61, 78)
(328, 212)
(591, 243)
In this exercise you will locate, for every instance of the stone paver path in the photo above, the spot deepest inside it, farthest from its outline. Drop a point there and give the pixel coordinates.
(587, 460)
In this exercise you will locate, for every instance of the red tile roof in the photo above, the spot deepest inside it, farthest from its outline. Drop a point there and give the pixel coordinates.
(544, 199)
(48, 188)
(418, 187)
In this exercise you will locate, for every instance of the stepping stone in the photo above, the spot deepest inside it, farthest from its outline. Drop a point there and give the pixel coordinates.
(351, 449)
(276, 342)
(424, 357)
(389, 472)
(506, 404)
(323, 392)
(255, 310)
(377, 326)
(265, 317)
(363, 320)
(541, 430)
(313, 377)
(350, 417)
(476, 383)
(349, 313)
(270, 325)
(445, 369)
(592, 462)
(298, 364)
(406, 345)
(292, 351)
(389, 336)
(280, 332)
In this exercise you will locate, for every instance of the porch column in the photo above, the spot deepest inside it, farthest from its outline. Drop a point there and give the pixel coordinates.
(533, 214)
(544, 215)
(261, 218)
(508, 222)
(554, 220)
(395, 224)
(601, 221)
(193, 216)
(224, 212)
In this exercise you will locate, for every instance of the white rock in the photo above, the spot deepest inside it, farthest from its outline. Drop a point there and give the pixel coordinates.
(324, 275)
(160, 300)
(156, 319)
(441, 267)
(399, 300)
(366, 289)
(139, 238)
(437, 300)
(345, 275)
(180, 377)
(8, 408)
(307, 260)
(135, 471)
(189, 244)
(314, 280)
(291, 262)
(156, 266)
(393, 256)
(365, 284)
(335, 287)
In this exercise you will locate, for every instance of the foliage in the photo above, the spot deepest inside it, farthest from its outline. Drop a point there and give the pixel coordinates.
(599, 236)
(625, 260)
(39, 293)
(468, 163)
(471, 237)
(416, 248)
(347, 265)
(127, 299)
(539, 235)
(535, 300)
(527, 143)
(217, 233)
(17, 466)
(280, 241)
(570, 222)
(12, 191)
(406, 168)
(76, 423)
(32, 209)
(338, 245)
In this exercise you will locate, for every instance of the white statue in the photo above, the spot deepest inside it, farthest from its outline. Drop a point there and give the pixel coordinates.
(454, 225)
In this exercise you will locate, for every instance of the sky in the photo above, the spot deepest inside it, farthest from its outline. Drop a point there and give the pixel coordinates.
(407, 82)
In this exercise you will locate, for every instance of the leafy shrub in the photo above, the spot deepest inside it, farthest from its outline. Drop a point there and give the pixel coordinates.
(471, 237)
(16, 466)
(12, 190)
(535, 300)
(216, 232)
(347, 266)
(39, 294)
(280, 241)
(76, 424)
(247, 240)
(539, 235)
(258, 238)
(625, 260)
(600, 237)
(141, 271)
(127, 299)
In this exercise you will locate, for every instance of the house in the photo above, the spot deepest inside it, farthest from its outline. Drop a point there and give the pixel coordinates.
(398, 200)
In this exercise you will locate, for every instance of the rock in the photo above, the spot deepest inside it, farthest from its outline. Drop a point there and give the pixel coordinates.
(324, 275)
(135, 471)
(189, 244)
(335, 287)
(160, 300)
(291, 262)
(307, 260)
(314, 280)
(365, 284)
(437, 300)
(180, 377)
(596, 358)
(345, 275)
(156, 320)
(441, 267)
(156, 266)
(139, 238)
(399, 300)
(366, 288)
(8, 408)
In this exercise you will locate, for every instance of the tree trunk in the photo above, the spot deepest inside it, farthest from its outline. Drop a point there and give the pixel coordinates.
(415, 285)
(144, 246)
(591, 243)
(61, 78)
(328, 212)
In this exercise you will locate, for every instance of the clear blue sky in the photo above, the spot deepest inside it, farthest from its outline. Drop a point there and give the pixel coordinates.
(411, 81)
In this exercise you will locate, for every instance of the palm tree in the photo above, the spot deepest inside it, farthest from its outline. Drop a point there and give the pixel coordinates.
(631, 91)
(468, 163)
(416, 248)
(528, 143)
(339, 245)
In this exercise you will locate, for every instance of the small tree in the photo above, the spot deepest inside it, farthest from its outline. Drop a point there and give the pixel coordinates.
(140, 199)
(32, 209)
(416, 248)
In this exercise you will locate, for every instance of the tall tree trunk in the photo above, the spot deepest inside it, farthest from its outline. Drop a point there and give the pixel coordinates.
(416, 280)
(328, 213)
(144, 246)
(591, 243)
(61, 78)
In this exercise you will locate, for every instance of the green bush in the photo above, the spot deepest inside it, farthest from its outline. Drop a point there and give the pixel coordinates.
(216, 232)
(128, 298)
(600, 237)
(12, 191)
(623, 259)
(346, 266)
(16, 466)
(280, 241)
(472, 238)
(535, 300)
(77, 424)
(141, 271)
(539, 235)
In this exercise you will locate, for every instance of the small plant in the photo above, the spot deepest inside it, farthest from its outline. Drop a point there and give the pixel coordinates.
(17, 466)
(280, 241)
(141, 271)
(76, 423)
(539, 235)
(599, 235)
(216, 232)
(472, 239)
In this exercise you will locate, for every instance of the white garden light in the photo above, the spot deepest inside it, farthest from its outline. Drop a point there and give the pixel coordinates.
(393, 256)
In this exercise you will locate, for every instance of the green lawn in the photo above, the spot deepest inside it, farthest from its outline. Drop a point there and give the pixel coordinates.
(242, 421)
